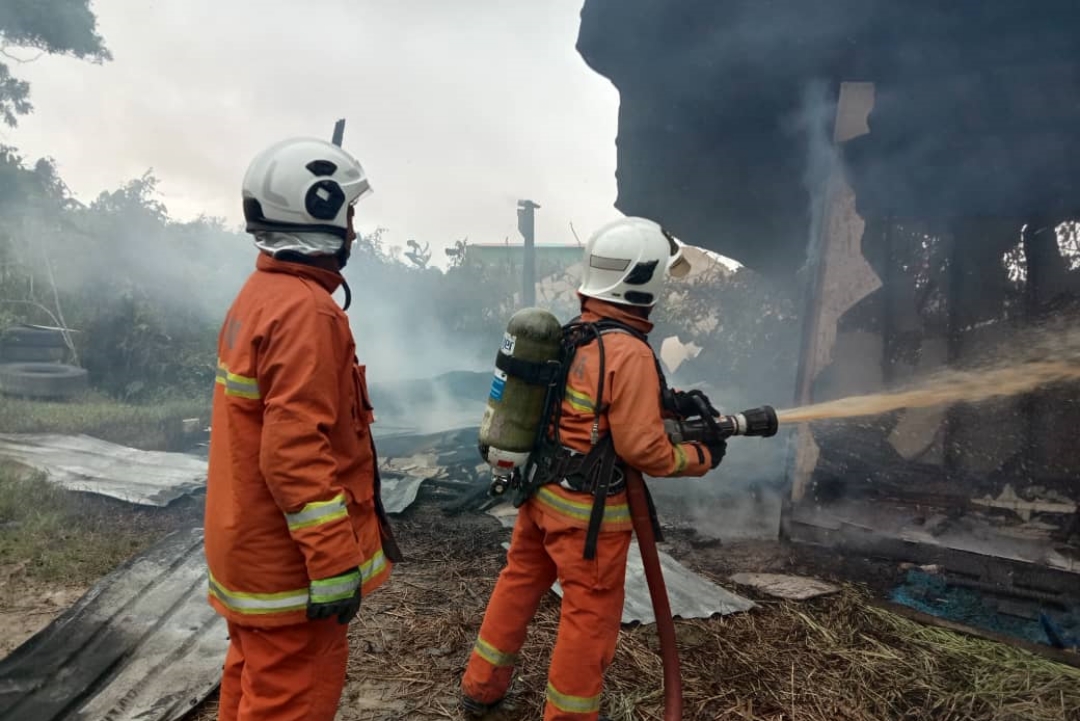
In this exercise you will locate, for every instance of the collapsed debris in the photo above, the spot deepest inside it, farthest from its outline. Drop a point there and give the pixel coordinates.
(791, 588)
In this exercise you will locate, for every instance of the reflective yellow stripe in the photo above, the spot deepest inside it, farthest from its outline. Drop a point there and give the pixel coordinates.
(338, 588)
(493, 655)
(579, 401)
(618, 513)
(572, 704)
(237, 385)
(680, 459)
(252, 604)
(318, 513)
(258, 603)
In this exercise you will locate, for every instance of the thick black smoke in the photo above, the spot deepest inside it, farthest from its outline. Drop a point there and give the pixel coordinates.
(975, 113)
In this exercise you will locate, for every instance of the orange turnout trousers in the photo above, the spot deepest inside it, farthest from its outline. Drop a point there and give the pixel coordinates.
(545, 548)
(287, 673)
(548, 542)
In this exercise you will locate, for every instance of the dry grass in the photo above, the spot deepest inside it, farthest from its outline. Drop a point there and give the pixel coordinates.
(835, 659)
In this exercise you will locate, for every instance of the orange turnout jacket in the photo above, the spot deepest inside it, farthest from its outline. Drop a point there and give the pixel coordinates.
(631, 395)
(291, 489)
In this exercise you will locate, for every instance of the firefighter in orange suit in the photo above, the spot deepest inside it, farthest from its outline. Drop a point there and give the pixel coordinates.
(295, 529)
(611, 406)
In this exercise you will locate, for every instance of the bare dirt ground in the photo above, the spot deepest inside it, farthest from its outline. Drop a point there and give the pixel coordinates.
(28, 605)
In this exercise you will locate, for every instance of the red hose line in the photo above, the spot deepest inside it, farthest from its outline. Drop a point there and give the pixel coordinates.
(654, 576)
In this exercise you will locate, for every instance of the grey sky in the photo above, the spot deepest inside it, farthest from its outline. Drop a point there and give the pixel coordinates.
(456, 109)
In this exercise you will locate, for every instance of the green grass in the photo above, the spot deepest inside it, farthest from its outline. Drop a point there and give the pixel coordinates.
(156, 426)
(75, 538)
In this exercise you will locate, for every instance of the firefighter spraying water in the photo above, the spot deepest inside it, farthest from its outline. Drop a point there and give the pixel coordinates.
(526, 377)
(576, 414)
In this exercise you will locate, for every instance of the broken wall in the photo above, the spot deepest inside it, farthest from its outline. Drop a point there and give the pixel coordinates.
(897, 297)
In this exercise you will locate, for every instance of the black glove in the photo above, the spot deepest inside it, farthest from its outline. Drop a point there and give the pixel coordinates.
(689, 404)
(335, 596)
(717, 450)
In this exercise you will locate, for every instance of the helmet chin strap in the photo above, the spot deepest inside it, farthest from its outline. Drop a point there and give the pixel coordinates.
(342, 258)
(348, 294)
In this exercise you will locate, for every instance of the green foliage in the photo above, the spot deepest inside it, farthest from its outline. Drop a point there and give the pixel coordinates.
(145, 295)
(54, 27)
(57, 535)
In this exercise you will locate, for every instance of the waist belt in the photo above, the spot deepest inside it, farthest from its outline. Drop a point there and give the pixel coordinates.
(598, 473)
(567, 472)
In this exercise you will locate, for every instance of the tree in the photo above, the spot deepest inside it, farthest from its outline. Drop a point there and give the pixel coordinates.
(55, 27)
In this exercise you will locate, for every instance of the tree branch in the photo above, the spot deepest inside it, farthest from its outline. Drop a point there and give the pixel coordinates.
(59, 309)
(35, 304)
(15, 58)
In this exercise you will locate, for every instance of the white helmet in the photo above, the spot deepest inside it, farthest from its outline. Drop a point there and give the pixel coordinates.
(627, 260)
(302, 185)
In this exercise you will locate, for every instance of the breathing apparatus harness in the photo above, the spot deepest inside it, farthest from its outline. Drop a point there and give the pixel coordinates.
(598, 472)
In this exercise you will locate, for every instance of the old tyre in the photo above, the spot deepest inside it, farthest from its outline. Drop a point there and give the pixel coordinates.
(42, 380)
(26, 335)
(31, 353)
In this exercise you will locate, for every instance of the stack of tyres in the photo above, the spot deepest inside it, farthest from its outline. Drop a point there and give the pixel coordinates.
(30, 344)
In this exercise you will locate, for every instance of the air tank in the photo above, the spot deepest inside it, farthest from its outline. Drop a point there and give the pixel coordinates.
(524, 369)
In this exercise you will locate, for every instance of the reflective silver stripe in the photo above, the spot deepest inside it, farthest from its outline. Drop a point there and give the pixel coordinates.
(256, 603)
(602, 263)
(572, 704)
(335, 589)
(317, 513)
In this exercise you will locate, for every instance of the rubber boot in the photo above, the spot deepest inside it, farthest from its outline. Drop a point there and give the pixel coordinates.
(477, 709)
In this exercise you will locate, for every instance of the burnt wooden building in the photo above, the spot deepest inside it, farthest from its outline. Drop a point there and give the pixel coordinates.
(915, 166)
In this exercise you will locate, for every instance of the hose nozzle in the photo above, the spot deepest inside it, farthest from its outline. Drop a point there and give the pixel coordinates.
(761, 422)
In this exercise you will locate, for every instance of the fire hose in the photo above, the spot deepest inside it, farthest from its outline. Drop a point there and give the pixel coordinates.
(760, 422)
(654, 577)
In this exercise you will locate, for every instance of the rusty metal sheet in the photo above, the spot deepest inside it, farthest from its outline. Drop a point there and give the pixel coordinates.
(142, 645)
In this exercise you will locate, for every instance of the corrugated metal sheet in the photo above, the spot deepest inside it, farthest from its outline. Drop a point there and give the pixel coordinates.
(690, 595)
(399, 490)
(82, 463)
(142, 645)
(149, 478)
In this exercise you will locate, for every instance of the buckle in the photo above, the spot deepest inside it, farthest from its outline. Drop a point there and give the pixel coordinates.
(617, 485)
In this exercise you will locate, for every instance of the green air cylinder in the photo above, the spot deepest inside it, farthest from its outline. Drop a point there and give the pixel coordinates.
(524, 367)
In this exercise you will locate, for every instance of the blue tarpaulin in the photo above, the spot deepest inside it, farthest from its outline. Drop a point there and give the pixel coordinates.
(934, 595)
